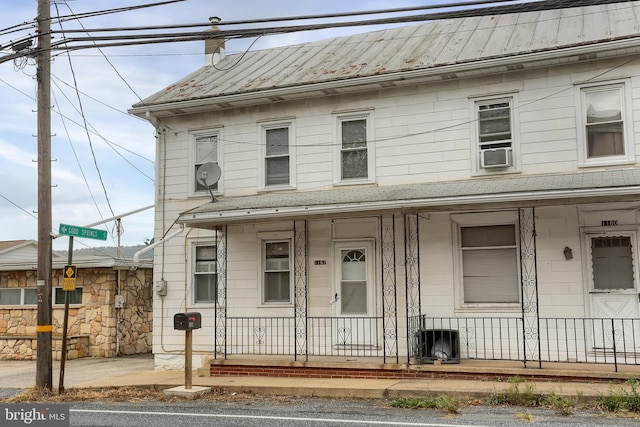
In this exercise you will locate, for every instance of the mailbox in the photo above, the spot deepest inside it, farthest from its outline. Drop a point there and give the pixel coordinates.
(187, 321)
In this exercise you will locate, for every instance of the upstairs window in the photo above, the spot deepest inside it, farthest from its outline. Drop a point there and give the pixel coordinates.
(355, 154)
(206, 149)
(605, 125)
(495, 134)
(278, 165)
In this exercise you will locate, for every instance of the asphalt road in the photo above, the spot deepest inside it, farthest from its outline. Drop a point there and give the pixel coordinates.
(265, 412)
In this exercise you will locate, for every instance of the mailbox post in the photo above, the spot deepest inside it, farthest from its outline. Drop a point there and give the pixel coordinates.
(187, 322)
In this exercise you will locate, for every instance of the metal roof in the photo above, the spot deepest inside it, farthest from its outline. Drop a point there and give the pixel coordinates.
(598, 183)
(434, 46)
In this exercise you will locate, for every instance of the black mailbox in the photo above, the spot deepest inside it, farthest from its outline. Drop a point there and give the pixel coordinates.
(187, 321)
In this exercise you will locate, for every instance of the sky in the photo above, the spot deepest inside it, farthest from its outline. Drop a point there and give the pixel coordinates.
(103, 159)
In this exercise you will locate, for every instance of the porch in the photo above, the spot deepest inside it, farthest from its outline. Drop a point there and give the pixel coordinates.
(611, 345)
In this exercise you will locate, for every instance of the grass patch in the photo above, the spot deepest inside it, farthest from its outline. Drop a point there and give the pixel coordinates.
(620, 399)
(445, 403)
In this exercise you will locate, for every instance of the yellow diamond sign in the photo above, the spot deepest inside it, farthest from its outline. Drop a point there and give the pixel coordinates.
(69, 278)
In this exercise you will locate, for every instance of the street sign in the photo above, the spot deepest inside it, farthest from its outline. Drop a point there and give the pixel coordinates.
(69, 278)
(90, 233)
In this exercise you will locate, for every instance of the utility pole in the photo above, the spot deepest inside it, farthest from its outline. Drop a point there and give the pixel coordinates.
(44, 326)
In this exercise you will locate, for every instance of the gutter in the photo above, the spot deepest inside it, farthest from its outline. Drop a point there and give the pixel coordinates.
(136, 257)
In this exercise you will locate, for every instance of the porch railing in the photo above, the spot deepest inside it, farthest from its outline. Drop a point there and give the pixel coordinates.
(325, 336)
(573, 340)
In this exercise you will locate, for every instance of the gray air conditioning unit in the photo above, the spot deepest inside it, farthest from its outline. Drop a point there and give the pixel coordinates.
(495, 158)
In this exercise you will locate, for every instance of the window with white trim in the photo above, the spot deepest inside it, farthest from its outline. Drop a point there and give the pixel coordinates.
(18, 296)
(75, 296)
(494, 135)
(355, 153)
(488, 262)
(205, 274)
(205, 148)
(278, 153)
(276, 271)
(605, 125)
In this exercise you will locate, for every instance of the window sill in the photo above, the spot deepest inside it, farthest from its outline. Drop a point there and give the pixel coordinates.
(354, 182)
(275, 305)
(276, 188)
(489, 308)
(604, 163)
(494, 172)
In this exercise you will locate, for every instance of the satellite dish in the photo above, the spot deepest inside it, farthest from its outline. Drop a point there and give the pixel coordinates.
(208, 174)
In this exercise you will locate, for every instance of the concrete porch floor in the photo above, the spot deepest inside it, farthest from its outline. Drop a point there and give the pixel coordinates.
(364, 367)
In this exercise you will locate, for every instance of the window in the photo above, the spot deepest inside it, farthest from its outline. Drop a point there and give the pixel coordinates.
(205, 276)
(355, 156)
(605, 125)
(276, 272)
(354, 281)
(487, 259)
(75, 296)
(612, 263)
(206, 149)
(354, 277)
(278, 168)
(18, 296)
(494, 135)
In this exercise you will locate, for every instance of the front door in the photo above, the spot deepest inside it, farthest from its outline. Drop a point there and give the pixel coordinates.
(357, 327)
(613, 292)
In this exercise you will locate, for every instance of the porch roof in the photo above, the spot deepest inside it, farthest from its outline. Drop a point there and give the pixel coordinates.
(577, 186)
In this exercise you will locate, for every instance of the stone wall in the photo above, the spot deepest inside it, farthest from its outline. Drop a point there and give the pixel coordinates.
(95, 328)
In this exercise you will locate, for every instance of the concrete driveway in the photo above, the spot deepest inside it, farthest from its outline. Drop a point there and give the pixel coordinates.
(22, 374)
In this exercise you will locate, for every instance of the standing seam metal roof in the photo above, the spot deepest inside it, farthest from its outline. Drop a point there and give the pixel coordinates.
(407, 48)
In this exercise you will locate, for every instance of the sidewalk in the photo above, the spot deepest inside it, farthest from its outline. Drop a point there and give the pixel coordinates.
(139, 371)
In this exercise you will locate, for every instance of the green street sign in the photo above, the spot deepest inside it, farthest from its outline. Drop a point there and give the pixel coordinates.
(90, 233)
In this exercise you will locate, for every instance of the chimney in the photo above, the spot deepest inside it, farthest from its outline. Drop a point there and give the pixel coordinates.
(213, 48)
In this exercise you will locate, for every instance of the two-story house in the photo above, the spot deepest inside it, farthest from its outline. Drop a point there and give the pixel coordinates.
(465, 188)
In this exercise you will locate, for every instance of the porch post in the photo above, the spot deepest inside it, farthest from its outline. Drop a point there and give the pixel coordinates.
(300, 289)
(389, 300)
(412, 280)
(220, 337)
(529, 287)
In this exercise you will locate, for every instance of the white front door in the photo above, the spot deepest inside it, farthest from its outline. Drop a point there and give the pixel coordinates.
(355, 304)
(613, 291)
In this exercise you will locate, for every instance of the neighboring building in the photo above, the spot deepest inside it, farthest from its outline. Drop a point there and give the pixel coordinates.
(471, 179)
(110, 311)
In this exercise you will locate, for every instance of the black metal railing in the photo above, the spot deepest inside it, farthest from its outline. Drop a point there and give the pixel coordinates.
(573, 340)
(325, 336)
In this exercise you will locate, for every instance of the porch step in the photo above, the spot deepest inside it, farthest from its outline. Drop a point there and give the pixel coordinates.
(372, 369)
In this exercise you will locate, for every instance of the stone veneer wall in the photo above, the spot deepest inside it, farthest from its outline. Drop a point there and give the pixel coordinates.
(92, 325)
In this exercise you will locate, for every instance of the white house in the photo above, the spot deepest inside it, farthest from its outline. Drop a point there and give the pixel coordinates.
(465, 188)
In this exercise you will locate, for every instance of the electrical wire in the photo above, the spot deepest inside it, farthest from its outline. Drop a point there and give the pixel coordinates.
(88, 134)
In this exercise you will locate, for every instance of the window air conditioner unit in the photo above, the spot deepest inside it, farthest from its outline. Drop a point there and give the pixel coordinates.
(495, 158)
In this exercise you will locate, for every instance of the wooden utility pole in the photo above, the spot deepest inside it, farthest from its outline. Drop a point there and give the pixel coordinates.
(44, 328)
